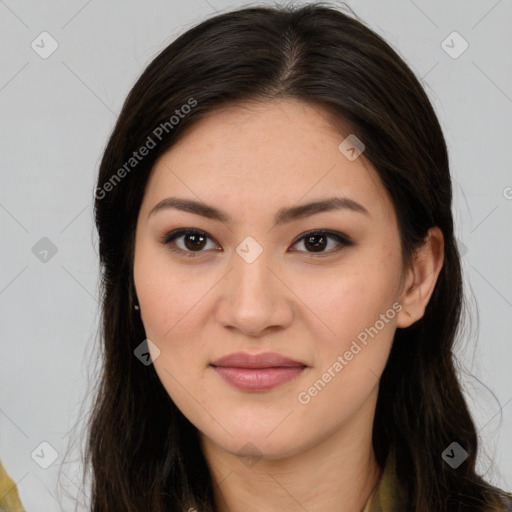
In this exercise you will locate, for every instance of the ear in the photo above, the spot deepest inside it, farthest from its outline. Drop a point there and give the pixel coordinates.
(421, 279)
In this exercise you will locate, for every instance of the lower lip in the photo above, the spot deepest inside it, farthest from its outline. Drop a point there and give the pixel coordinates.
(258, 379)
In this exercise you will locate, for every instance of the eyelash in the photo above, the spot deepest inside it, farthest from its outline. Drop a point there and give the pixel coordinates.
(343, 240)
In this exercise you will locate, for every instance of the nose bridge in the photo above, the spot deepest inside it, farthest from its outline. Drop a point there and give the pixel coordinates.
(251, 275)
(251, 270)
(254, 299)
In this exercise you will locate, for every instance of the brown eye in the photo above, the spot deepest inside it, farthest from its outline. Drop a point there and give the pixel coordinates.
(318, 241)
(193, 241)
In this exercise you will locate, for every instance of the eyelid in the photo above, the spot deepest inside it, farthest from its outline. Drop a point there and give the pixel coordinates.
(171, 236)
(343, 240)
(334, 234)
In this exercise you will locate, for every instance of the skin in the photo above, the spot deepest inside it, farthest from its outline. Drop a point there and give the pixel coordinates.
(250, 161)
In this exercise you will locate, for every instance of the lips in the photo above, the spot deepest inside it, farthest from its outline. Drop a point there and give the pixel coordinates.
(264, 360)
(257, 372)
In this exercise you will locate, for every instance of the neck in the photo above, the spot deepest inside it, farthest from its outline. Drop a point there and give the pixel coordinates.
(338, 474)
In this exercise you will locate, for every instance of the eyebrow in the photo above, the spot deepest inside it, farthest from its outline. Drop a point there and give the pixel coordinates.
(283, 216)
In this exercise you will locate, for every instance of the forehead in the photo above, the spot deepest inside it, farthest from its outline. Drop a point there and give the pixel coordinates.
(255, 153)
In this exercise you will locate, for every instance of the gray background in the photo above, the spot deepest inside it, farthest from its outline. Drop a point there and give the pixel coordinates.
(56, 114)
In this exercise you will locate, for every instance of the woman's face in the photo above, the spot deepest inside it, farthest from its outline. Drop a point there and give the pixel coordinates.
(248, 284)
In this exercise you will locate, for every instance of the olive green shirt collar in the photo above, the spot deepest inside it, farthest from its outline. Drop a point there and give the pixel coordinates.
(387, 495)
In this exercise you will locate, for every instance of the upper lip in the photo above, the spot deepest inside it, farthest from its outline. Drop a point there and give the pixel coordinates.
(263, 360)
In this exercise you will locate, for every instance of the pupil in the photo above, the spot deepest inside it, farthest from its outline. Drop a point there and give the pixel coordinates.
(316, 247)
(194, 238)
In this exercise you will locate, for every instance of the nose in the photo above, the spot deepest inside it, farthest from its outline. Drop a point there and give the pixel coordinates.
(254, 298)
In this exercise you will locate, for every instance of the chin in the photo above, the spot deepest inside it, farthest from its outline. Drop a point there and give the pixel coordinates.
(257, 443)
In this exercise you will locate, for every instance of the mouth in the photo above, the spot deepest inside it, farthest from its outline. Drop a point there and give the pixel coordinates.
(257, 372)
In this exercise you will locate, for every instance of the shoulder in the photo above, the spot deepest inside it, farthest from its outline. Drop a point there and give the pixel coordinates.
(9, 497)
(508, 500)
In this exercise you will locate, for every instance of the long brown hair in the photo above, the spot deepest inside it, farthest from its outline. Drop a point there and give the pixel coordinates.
(143, 452)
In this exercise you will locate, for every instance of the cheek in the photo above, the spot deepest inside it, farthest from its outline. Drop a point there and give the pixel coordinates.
(357, 307)
(172, 312)
(167, 296)
(354, 296)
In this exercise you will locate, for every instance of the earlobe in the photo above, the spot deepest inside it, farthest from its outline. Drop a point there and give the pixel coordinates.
(421, 278)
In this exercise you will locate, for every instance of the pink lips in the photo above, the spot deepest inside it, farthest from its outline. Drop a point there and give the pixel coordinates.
(257, 372)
